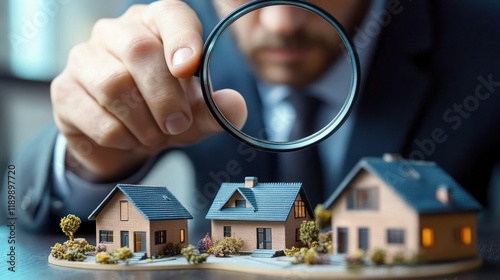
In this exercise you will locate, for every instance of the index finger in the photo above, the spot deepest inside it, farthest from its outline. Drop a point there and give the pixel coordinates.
(180, 30)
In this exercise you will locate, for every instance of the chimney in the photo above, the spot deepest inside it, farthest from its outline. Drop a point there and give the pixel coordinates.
(250, 182)
(443, 194)
(391, 157)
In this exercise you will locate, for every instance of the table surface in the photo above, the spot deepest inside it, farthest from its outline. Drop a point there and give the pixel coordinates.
(31, 252)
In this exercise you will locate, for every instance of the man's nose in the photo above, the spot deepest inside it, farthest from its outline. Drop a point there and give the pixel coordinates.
(283, 19)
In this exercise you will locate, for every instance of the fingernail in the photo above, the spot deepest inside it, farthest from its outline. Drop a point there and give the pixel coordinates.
(177, 123)
(182, 55)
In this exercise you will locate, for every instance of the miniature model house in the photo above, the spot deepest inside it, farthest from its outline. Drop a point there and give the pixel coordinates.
(265, 215)
(404, 206)
(143, 218)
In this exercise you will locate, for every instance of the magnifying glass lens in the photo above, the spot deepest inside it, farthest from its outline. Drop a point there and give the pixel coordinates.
(293, 64)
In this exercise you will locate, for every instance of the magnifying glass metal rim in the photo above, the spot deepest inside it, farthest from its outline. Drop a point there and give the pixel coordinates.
(299, 144)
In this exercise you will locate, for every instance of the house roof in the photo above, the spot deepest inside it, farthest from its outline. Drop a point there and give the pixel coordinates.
(268, 202)
(416, 182)
(154, 202)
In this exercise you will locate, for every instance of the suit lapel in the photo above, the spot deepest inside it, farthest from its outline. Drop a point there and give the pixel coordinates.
(396, 88)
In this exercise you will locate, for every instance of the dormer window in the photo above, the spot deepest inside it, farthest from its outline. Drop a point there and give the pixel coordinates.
(240, 203)
(300, 209)
(363, 199)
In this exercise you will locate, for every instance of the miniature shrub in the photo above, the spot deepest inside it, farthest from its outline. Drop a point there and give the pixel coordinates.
(378, 256)
(310, 256)
(205, 243)
(309, 232)
(399, 258)
(105, 258)
(227, 246)
(356, 260)
(192, 256)
(100, 248)
(124, 253)
(58, 251)
(113, 256)
(76, 255)
(71, 245)
(79, 243)
(291, 252)
(324, 244)
(171, 249)
(89, 248)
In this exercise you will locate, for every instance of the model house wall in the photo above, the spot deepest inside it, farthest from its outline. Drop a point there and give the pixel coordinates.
(403, 206)
(265, 215)
(390, 213)
(120, 221)
(283, 234)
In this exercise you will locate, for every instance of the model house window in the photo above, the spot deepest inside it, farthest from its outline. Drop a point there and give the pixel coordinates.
(105, 236)
(160, 237)
(241, 203)
(297, 234)
(300, 209)
(465, 235)
(395, 236)
(124, 210)
(427, 237)
(227, 231)
(363, 199)
(183, 236)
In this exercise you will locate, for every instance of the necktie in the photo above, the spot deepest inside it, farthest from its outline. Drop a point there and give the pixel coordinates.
(305, 165)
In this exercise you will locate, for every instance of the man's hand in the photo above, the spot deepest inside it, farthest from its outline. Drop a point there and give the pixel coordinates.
(128, 93)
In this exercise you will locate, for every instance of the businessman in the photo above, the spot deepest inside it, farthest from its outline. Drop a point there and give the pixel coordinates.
(127, 97)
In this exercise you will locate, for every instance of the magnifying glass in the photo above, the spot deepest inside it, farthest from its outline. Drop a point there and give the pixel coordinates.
(344, 52)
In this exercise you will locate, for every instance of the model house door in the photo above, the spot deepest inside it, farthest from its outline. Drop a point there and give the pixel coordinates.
(363, 237)
(264, 238)
(342, 234)
(124, 239)
(140, 241)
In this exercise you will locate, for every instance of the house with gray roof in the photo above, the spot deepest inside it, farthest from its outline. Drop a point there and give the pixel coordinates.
(267, 216)
(143, 218)
(404, 206)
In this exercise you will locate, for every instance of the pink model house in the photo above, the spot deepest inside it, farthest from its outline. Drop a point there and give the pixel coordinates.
(405, 206)
(143, 218)
(267, 216)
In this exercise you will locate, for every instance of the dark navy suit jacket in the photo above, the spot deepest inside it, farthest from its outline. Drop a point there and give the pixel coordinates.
(432, 93)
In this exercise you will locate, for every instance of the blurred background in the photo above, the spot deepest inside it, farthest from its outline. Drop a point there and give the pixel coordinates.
(35, 38)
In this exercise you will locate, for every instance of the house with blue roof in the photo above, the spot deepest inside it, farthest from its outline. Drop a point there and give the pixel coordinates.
(404, 206)
(267, 216)
(143, 218)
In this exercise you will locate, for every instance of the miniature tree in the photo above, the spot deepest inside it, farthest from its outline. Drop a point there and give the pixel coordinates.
(309, 232)
(69, 225)
(323, 217)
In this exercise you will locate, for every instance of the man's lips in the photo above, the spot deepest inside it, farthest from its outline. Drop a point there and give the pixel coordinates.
(284, 54)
